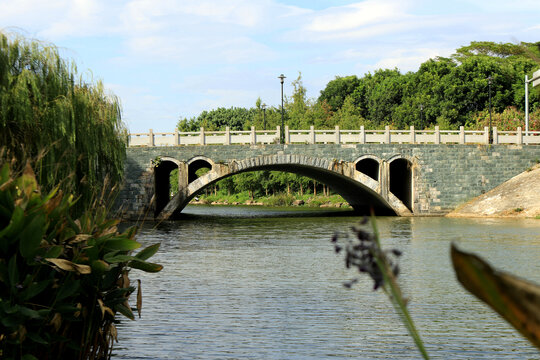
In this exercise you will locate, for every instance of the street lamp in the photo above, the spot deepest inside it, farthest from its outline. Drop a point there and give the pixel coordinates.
(282, 135)
(489, 84)
(263, 107)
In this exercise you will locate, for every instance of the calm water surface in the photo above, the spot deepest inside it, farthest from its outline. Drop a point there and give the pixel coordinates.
(255, 283)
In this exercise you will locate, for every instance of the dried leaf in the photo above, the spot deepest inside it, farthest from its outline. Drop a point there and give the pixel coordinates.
(515, 299)
(56, 321)
(70, 266)
(113, 332)
(104, 309)
(79, 238)
(139, 298)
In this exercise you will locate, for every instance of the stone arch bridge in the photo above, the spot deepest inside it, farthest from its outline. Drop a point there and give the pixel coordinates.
(394, 179)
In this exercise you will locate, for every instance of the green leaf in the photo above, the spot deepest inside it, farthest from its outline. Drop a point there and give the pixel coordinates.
(118, 258)
(67, 289)
(31, 236)
(122, 244)
(4, 173)
(148, 252)
(9, 234)
(29, 357)
(145, 266)
(124, 310)
(13, 271)
(54, 252)
(35, 337)
(29, 313)
(34, 289)
(100, 266)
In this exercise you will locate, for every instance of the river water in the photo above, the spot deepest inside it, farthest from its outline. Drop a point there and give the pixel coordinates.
(259, 283)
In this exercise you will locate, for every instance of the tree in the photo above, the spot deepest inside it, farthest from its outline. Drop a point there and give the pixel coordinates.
(297, 109)
(337, 90)
(70, 126)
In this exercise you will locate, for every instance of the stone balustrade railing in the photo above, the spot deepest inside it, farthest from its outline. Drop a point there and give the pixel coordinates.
(335, 136)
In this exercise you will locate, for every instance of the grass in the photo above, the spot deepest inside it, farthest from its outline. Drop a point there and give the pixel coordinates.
(281, 199)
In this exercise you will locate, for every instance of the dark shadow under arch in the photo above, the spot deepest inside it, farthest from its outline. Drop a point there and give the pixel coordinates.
(369, 167)
(195, 166)
(162, 185)
(401, 181)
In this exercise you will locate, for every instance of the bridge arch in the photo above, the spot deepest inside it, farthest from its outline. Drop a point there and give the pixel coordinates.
(369, 165)
(401, 179)
(162, 186)
(197, 163)
(358, 189)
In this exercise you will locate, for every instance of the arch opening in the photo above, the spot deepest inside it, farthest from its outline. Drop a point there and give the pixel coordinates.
(194, 169)
(361, 198)
(162, 183)
(369, 167)
(401, 181)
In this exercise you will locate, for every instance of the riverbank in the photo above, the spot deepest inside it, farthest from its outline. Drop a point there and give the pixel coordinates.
(308, 200)
(519, 197)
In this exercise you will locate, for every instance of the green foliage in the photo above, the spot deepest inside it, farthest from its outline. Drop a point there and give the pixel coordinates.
(337, 90)
(235, 118)
(62, 281)
(49, 113)
(510, 119)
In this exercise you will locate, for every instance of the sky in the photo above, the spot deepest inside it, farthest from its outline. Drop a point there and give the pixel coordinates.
(172, 59)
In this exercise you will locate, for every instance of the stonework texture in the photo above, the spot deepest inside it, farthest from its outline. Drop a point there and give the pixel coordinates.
(443, 176)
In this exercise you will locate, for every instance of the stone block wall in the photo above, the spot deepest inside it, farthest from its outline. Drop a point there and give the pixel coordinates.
(444, 176)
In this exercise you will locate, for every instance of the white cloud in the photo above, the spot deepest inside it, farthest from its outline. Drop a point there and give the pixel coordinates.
(356, 15)
(409, 59)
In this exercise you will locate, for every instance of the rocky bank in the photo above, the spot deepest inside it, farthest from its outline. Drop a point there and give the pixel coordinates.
(518, 197)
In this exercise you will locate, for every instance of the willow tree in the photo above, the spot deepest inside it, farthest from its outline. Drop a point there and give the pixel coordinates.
(50, 114)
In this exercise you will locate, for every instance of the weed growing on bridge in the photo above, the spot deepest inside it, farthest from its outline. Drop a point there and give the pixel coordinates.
(364, 252)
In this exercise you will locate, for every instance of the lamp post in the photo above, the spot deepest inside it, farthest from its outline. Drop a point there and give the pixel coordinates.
(489, 86)
(282, 135)
(535, 81)
(263, 107)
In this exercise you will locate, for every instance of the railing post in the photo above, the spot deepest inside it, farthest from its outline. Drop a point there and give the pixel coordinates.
(253, 136)
(413, 135)
(519, 136)
(202, 140)
(151, 137)
(362, 135)
(312, 134)
(437, 135)
(462, 135)
(287, 135)
(486, 135)
(387, 134)
(278, 133)
(338, 135)
(495, 136)
(227, 135)
(176, 137)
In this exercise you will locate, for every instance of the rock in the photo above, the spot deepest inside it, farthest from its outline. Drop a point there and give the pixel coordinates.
(298, 202)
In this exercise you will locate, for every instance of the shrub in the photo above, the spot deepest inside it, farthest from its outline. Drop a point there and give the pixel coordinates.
(62, 281)
(281, 200)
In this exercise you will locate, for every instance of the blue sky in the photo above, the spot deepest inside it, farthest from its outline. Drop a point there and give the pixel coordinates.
(168, 59)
